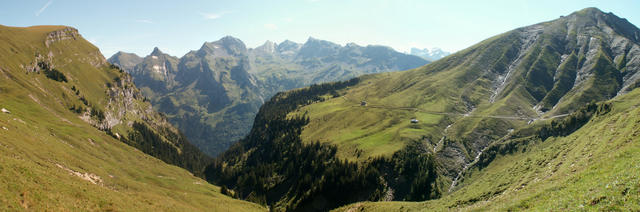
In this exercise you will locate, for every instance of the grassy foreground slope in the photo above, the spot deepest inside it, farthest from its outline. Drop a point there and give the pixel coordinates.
(55, 153)
(49, 164)
(593, 168)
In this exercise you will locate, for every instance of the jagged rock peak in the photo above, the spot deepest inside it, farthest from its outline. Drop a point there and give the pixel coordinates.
(230, 40)
(318, 48)
(267, 47)
(588, 11)
(226, 45)
(288, 46)
(592, 16)
(589, 15)
(156, 52)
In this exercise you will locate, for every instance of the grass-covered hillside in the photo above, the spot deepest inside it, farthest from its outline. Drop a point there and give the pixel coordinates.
(593, 168)
(468, 100)
(449, 116)
(68, 128)
(273, 166)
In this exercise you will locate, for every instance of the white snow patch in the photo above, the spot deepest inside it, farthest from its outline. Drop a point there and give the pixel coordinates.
(154, 57)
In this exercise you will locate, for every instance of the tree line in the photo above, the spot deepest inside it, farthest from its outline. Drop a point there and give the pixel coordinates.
(173, 149)
(273, 166)
(52, 73)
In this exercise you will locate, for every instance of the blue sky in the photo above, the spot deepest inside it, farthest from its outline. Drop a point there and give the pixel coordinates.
(179, 26)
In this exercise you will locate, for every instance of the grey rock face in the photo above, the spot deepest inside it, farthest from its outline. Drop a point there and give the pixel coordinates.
(213, 93)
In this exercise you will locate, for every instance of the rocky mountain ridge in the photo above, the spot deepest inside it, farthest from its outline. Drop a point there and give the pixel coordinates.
(213, 93)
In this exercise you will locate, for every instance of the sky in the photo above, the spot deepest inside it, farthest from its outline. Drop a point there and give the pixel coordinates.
(177, 27)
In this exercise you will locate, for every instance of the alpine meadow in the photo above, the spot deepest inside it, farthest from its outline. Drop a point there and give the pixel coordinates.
(348, 106)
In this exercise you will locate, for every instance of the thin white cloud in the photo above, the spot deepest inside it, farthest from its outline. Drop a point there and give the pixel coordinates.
(146, 21)
(288, 20)
(270, 26)
(44, 7)
(212, 16)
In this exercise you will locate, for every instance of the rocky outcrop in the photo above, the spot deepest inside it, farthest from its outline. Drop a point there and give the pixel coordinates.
(126, 101)
(269, 47)
(68, 33)
(38, 62)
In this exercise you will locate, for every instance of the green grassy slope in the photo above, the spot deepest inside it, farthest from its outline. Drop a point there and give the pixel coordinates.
(530, 73)
(273, 166)
(380, 128)
(39, 152)
(467, 104)
(52, 158)
(594, 168)
(437, 95)
(478, 97)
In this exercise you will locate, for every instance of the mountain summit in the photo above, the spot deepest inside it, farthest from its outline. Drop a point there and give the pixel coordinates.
(125, 60)
(226, 46)
(156, 52)
(269, 47)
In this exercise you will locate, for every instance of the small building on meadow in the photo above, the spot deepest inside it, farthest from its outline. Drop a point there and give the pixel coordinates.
(363, 103)
(414, 121)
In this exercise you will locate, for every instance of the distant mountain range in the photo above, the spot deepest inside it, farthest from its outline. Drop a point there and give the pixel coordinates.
(432, 54)
(212, 94)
